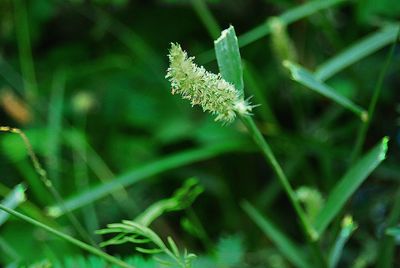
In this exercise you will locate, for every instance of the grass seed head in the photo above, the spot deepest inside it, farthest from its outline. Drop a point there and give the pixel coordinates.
(203, 88)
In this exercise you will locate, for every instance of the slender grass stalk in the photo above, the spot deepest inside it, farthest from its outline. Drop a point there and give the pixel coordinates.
(203, 235)
(288, 248)
(308, 230)
(70, 239)
(252, 84)
(96, 192)
(288, 17)
(386, 250)
(207, 18)
(356, 52)
(8, 250)
(271, 159)
(24, 47)
(55, 127)
(362, 132)
(47, 182)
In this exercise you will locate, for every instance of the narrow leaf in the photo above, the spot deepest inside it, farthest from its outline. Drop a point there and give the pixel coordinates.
(349, 183)
(356, 52)
(228, 57)
(287, 247)
(149, 251)
(292, 15)
(306, 78)
(173, 246)
(144, 172)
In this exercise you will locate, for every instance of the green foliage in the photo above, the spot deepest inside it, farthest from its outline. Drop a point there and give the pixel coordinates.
(85, 81)
(138, 232)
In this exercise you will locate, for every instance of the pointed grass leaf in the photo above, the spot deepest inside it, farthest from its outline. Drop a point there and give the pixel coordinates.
(307, 79)
(142, 173)
(228, 57)
(173, 246)
(348, 184)
(292, 15)
(286, 246)
(356, 52)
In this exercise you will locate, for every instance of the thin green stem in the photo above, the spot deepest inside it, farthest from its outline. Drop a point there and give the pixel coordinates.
(24, 48)
(207, 18)
(386, 250)
(68, 238)
(307, 228)
(204, 237)
(48, 183)
(372, 105)
(270, 157)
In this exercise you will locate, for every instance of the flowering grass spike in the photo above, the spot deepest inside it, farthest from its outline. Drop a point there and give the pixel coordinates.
(203, 88)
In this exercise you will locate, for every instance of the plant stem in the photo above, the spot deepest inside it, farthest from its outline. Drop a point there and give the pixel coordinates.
(48, 183)
(270, 157)
(24, 48)
(76, 242)
(372, 105)
(308, 230)
(207, 18)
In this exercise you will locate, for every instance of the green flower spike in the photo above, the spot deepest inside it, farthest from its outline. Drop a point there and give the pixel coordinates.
(203, 88)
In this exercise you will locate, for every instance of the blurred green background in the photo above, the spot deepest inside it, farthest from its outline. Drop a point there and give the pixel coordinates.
(85, 81)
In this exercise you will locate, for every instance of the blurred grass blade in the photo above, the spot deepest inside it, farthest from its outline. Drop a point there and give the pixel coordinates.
(67, 238)
(253, 85)
(13, 199)
(349, 184)
(347, 229)
(394, 231)
(54, 128)
(387, 245)
(144, 172)
(205, 15)
(228, 57)
(288, 17)
(24, 48)
(307, 79)
(287, 247)
(356, 52)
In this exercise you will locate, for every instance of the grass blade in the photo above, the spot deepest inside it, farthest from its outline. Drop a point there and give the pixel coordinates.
(288, 17)
(286, 246)
(228, 57)
(55, 127)
(24, 48)
(70, 239)
(387, 245)
(13, 199)
(362, 132)
(356, 52)
(205, 15)
(349, 184)
(142, 173)
(306, 78)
